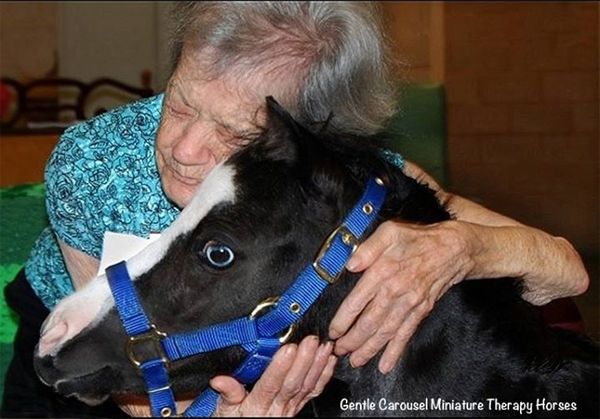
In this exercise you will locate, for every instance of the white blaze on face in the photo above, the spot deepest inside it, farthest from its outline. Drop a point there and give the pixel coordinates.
(89, 305)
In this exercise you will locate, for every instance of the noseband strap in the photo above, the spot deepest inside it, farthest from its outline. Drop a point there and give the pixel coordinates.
(258, 334)
(137, 326)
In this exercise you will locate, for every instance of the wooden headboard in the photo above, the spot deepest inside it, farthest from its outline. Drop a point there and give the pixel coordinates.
(32, 126)
(26, 107)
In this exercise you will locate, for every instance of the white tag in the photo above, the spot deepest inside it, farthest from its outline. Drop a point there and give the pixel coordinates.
(118, 246)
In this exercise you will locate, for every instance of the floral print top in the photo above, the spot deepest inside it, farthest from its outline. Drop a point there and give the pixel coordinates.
(102, 176)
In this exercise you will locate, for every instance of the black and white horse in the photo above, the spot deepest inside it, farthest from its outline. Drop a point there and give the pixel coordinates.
(255, 222)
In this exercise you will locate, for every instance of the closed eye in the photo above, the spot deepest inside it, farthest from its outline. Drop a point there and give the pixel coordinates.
(236, 138)
(178, 112)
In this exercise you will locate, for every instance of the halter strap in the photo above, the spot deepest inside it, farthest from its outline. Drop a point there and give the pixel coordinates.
(137, 327)
(258, 335)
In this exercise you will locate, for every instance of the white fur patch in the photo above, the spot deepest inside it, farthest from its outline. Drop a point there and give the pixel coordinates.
(89, 305)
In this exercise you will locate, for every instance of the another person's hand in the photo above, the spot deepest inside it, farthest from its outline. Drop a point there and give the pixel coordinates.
(407, 268)
(297, 374)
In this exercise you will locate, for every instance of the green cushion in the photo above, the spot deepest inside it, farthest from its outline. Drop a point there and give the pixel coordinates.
(22, 218)
(418, 129)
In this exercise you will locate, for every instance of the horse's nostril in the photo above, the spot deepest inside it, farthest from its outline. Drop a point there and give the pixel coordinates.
(44, 368)
(52, 337)
(43, 380)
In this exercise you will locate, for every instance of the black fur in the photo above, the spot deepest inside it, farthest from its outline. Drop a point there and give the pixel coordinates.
(480, 341)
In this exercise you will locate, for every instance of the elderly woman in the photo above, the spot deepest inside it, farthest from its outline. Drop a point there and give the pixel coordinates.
(132, 170)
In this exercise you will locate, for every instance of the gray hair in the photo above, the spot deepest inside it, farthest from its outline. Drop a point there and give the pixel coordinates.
(331, 56)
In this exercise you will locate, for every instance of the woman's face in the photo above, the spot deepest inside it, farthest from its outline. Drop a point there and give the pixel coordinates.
(203, 122)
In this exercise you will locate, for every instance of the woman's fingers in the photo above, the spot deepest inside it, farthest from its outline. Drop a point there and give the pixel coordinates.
(271, 382)
(260, 399)
(396, 346)
(369, 322)
(232, 394)
(318, 368)
(364, 258)
(397, 312)
(371, 249)
(296, 374)
(324, 378)
(351, 307)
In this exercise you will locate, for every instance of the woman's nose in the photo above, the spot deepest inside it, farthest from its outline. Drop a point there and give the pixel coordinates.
(195, 147)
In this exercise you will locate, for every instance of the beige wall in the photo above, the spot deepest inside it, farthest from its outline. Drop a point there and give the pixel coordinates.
(522, 97)
(28, 42)
(415, 31)
(522, 84)
(107, 39)
(84, 40)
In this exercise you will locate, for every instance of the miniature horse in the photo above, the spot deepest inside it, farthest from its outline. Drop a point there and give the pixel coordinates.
(255, 222)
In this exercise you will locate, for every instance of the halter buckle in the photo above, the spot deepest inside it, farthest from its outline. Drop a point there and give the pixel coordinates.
(153, 335)
(348, 238)
(270, 302)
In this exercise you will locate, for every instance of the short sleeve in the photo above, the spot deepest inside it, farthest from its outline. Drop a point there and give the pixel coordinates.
(102, 176)
(67, 189)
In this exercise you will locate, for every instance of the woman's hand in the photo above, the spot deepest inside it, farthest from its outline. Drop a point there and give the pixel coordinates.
(297, 374)
(407, 268)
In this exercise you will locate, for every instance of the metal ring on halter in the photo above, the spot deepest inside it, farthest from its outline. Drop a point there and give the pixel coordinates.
(154, 336)
(267, 303)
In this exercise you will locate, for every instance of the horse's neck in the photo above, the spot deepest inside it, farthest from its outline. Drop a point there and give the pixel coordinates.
(461, 331)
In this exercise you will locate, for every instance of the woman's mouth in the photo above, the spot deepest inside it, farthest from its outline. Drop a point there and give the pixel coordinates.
(190, 181)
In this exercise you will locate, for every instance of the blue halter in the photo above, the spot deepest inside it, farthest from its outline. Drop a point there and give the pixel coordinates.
(258, 334)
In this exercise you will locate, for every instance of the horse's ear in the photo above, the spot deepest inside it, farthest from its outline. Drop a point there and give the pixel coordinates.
(280, 119)
(293, 142)
(287, 138)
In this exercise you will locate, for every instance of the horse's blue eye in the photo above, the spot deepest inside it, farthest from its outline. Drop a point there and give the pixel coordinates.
(218, 255)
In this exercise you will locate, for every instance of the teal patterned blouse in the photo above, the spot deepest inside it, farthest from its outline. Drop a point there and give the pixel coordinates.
(101, 176)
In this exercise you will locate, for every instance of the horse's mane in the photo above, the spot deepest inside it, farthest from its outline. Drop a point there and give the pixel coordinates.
(361, 157)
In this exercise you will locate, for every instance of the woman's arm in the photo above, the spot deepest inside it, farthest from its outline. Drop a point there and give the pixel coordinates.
(550, 266)
(408, 267)
(82, 267)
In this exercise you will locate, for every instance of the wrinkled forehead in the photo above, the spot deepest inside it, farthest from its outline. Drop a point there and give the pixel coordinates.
(247, 80)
